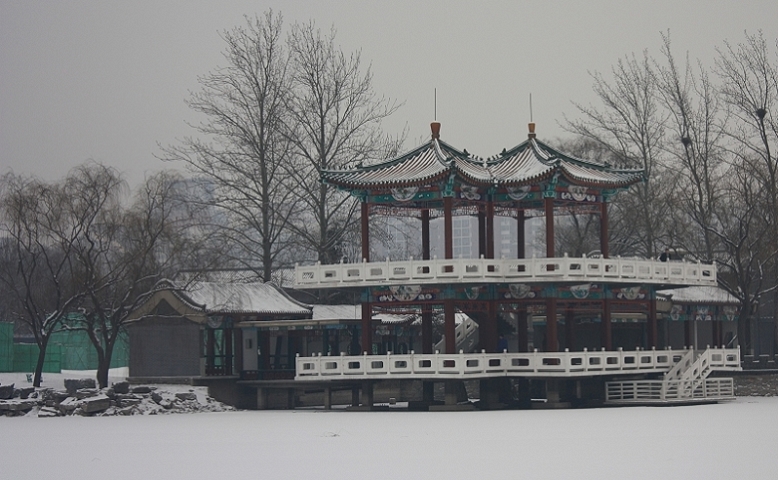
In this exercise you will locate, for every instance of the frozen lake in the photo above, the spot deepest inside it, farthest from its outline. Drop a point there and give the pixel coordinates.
(730, 440)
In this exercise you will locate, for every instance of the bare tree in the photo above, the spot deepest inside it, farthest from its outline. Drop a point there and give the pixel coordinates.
(749, 76)
(240, 150)
(630, 126)
(335, 120)
(743, 234)
(696, 151)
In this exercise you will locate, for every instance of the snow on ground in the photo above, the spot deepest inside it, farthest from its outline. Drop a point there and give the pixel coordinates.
(728, 440)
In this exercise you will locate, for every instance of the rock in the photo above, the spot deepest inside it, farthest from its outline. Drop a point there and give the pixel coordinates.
(186, 396)
(6, 391)
(127, 402)
(141, 389)
(69, 405)
(121, 387)
(86, 392)
(156, 397)
(48, 412)
(95, 404)
(21, 405)
(73, 384)
(127, 411)
(25, 392)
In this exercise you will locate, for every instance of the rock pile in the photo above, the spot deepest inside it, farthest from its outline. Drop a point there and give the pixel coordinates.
(81, 397)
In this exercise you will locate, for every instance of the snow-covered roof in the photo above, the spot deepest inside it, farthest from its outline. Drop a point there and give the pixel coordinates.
(709, 295)
(242, 298)
(528, 163)
(354, 312)
(393, 318)
(337, 312)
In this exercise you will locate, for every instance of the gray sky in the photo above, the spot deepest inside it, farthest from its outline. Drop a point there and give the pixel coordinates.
(107, 81)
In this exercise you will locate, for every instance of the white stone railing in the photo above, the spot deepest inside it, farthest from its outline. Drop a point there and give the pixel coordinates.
(650, 391)
(486, 365)
(504, 270)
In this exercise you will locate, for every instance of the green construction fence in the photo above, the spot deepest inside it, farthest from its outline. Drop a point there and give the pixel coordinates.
(67, 350)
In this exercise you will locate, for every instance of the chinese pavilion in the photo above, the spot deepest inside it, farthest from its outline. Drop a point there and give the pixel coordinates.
(581, 295)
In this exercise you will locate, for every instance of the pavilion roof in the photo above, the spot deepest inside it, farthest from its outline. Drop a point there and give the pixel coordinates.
(424, 164)
(528, 163)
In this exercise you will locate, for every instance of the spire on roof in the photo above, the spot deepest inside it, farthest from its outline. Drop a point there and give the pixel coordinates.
(435, 127)
(531, 130)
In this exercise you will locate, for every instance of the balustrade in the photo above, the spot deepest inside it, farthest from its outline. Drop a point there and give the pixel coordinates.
(504, 271)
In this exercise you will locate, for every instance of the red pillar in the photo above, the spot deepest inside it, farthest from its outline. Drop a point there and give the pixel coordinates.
(426, 329)
(653, 330)
(365, 211)
(448, 226)
(552, 339)
(425, 234)
(367, 328)
(569, 329)
(489, 234)
(490, 339)
(520, 240)
(549, 204)
(607, 331)
(604, 229)
(449, 326)
(522, 333)
(482, 231)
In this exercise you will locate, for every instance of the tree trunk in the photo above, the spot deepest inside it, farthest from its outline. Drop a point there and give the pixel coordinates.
(41, 358)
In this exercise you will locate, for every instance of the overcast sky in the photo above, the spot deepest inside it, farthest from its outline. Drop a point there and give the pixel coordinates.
(107, 81)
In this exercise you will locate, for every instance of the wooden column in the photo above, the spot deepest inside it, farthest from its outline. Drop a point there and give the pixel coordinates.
(606, 332)
(604, 229)
(522, 331)
(367, 329)
(482, 231)
(448, 226)
(425, 234)
(549, 204)
(552, 339)
(490, 339)
(569, 329)
(263, 340)
(426, 329)
(365, 213)
(238, 337)
(520, 240)
(653, 330)
(228, 340)
(211, 351)
(449, 326)
(688, 333)
(489, 234)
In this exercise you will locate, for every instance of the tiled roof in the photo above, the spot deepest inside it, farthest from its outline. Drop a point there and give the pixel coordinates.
(707, 295)
(262, 298)
(532, 161)
(422, 165)
(528, 163)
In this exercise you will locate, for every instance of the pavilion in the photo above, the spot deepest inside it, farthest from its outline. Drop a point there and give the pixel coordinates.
(581, 295)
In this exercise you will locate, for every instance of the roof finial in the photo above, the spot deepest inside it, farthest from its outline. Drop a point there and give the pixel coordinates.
(435, 127)
(531, 130)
